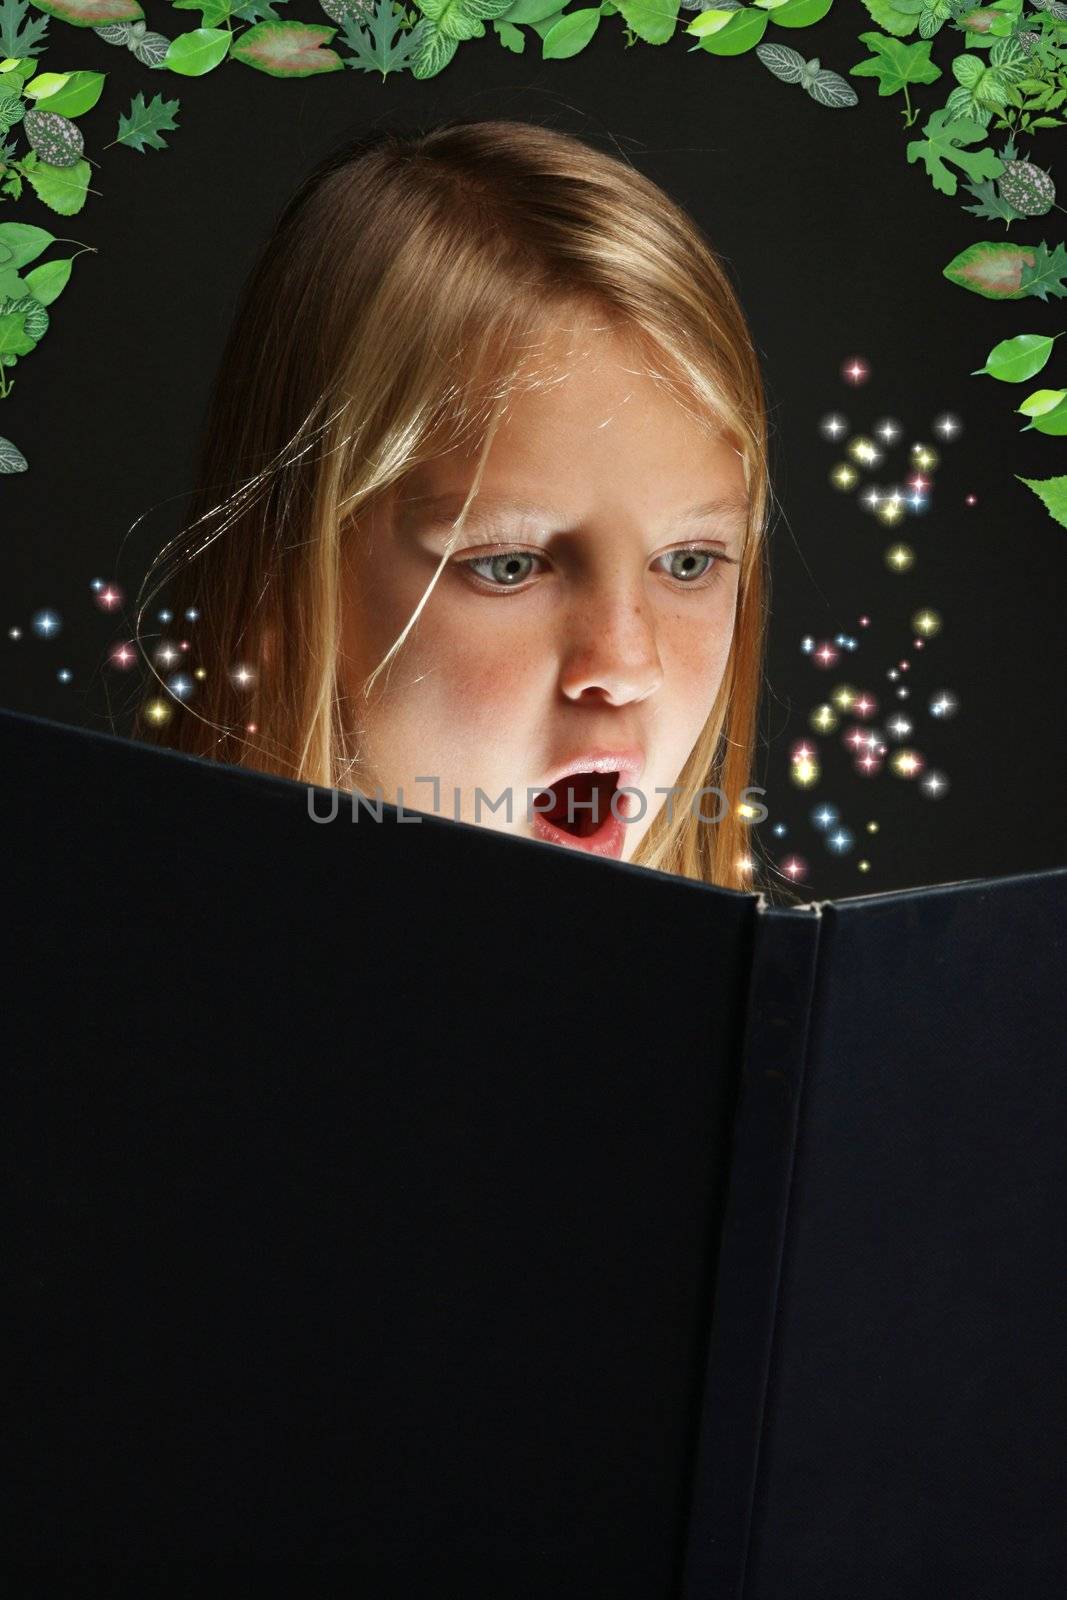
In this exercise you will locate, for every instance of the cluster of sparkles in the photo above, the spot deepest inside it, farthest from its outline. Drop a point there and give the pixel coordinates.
(170, 656)
(878, 739)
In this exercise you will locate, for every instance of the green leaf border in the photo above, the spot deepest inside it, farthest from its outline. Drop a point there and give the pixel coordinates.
(1003, 68)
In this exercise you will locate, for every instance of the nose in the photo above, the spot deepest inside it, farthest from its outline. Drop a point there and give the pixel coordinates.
(610, 650)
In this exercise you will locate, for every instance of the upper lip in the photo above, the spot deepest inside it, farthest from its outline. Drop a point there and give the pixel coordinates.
(628, 763)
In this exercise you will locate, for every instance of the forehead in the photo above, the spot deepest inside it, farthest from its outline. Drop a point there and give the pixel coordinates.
(422, 508)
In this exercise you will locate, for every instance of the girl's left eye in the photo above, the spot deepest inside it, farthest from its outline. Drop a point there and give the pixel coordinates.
(511, 568)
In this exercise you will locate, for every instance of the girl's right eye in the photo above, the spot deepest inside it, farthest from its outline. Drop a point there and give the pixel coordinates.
(508, 570)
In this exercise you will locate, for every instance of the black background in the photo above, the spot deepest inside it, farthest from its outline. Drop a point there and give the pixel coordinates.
(837, 247)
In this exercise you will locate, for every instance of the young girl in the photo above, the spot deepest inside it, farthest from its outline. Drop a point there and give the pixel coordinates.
(480, 524)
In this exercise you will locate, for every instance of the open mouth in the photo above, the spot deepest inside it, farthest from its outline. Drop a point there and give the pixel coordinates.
(581, 803)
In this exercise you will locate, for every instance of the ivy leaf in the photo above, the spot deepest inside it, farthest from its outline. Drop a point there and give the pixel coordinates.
(1015, 360)
(896, 16)
(19, 37)
(11, 458)
(1052, 492)
(145, 125)
(259, 11)
(944, 133)
(374, 48)
(895, 65)
(1044, 276)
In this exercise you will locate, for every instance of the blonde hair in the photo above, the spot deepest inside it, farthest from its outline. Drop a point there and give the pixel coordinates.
(391, 316)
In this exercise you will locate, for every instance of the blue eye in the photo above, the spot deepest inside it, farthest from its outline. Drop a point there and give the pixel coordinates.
(506, 571)
(689, 568)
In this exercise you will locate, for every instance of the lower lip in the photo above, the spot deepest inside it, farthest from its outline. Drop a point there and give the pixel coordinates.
(608, 839)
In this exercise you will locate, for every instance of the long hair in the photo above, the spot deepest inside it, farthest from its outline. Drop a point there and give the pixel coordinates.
(391, 315)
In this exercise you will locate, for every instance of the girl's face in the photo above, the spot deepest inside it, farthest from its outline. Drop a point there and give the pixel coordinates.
(584, 617)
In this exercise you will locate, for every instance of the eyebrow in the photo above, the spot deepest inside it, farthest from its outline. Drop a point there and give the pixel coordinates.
(440, 510)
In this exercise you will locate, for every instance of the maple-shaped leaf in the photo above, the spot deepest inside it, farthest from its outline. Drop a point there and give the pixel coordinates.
(375, 47)
(945, 134)
(895, 64)
(146, 124)
(990, 207)
(19, 37)
(1045, 274)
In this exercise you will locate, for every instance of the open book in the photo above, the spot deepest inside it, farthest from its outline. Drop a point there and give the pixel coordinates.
(476, 1218)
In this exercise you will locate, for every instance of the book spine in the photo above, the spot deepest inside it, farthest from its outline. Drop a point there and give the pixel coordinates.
(750, 1252)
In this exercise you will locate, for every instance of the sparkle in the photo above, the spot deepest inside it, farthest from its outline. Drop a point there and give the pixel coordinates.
(947, 425)
(46, 623)
(893, 674)
(14, 633)
(926, 623)
(871, 498)
(863, 866)
(824, 719)
(180, 686)
(744, 863)
(192, 614)
(864, 705)
(166, 616)
(865, 622)
(746, 810)
(888, 430)
(906, 763)
(903, 693)
(855, 371)
(807, 644)
(891, 508)
(864, 450)
(825, 655)
(167, 654)
(824, 816)
(157, 711)
(795, 867)
(934, 784)
(250, 727)
(944, 704)
(868, 764)
(200, 673)
(64, 674)
(122, 656)
(899, 557)
(840, 841)
(872, 827)
(923, 457)
(970, 499)
(779, 830)
(899, 727)
(805, 773)
(243, 676)
(96, 584)
(843, 696)
(833, 425)
(844, 477)
(110, 597)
